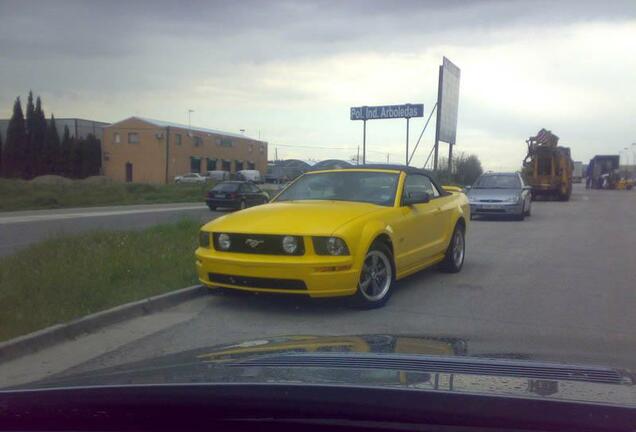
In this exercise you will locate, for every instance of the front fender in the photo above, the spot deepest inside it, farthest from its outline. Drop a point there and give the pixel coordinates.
(365, 237)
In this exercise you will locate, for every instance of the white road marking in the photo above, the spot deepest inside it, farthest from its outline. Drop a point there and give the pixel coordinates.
(60, 216)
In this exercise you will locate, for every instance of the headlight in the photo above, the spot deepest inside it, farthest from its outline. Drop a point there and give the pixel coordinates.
(224, 242)
(204, 239)
(330, 246)
(290, 244)
(512, 199)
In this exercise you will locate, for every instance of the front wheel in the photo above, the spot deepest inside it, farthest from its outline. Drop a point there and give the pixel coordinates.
(454, 258)
(376, 279)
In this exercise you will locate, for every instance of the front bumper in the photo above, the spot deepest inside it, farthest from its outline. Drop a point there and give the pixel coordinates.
(223, 203)
(312, 275)
(492, 209)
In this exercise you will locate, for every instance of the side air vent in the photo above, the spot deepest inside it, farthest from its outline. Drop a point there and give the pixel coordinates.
(472, 366)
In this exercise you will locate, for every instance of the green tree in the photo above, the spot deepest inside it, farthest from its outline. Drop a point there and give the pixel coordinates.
(38, 137)
(29, 163)
(17, 141)
(51, 153)
(467, 168)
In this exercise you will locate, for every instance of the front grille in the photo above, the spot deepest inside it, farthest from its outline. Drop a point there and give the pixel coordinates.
(257, 282)
(490, 210)
(265, 244)
(491, 200)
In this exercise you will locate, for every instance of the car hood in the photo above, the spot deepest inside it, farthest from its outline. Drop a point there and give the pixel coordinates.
(293, 217)
(419, 363)
(493, 194)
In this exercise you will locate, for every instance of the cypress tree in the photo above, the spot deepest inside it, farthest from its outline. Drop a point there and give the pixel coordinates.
(17, 140)
(51, 151)
(29, 155)
(38, 137)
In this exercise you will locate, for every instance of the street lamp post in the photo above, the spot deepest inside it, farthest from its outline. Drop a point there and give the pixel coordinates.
(190, 111)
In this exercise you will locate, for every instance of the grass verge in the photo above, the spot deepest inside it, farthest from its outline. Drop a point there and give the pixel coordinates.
(61, 279)
(26, 195)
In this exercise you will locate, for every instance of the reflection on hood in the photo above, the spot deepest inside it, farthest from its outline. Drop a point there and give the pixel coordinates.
(434, 364)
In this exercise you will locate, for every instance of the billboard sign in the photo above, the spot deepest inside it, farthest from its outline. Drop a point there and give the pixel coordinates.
(448, 102)
(387, 112)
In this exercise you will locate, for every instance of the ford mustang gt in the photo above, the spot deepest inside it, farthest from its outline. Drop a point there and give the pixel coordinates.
(345, 232)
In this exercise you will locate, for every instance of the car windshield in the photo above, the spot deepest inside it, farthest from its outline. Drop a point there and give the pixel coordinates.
(498, 182)
(226, 187)
(183, 178)
(364, 186)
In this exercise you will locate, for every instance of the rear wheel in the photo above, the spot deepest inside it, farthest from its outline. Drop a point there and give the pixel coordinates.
(376, 278)
(454, 258)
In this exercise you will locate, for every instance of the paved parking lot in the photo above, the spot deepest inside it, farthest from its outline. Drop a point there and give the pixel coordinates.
(558, 286)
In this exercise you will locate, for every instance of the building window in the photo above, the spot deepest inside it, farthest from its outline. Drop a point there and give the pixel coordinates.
(117, 138)
(239, 165)
(226, 142)
(177, 139)
(195, 164)
(251, 165)
(197, 141)
(133, 138)
(211, 165)
(227, 165)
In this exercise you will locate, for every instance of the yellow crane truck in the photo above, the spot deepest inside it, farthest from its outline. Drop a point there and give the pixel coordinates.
(548, 167)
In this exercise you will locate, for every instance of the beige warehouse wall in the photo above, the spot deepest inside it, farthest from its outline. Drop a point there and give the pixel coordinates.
(149, 155)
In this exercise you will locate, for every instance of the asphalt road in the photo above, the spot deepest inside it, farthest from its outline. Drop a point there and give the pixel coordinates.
(20, 229)
(559, 286)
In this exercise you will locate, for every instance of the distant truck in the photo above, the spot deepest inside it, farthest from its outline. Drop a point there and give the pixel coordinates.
(603, 171)
(577, 174)
(547, 167)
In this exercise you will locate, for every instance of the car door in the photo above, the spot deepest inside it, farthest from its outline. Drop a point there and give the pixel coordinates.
(422, 224)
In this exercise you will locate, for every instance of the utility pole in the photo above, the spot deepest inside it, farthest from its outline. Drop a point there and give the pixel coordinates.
(190, 120)
(407, 142)
(440, 83)
(387, 158)
(358, 156)
(364, 142)
(276, 153)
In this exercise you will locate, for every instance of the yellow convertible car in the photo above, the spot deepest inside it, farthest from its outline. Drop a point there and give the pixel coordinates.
(345, 232)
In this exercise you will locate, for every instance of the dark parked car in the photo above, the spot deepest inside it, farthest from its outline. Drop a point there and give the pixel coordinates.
(235, 194)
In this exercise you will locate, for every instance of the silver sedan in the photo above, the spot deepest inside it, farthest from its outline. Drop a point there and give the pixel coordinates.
(500, 194)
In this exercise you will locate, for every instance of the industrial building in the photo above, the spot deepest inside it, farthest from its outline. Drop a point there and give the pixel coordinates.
(152, 151)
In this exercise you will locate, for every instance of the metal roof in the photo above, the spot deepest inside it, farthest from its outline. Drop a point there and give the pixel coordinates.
(164, 124)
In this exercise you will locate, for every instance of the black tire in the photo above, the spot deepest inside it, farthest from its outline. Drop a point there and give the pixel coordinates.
(528, 211)
(451, 263)
(364, 298)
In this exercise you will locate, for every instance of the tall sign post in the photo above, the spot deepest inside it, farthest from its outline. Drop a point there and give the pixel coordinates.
(365, 113)
(447, 108)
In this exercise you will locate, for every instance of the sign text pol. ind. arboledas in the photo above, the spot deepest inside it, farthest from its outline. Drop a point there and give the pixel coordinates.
(387, 112)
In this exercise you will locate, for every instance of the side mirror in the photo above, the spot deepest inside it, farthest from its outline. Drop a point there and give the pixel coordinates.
(416, 197)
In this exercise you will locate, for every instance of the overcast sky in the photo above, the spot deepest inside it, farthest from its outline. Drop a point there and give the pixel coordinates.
(289, 71)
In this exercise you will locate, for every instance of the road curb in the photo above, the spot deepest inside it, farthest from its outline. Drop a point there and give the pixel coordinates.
(32, 342)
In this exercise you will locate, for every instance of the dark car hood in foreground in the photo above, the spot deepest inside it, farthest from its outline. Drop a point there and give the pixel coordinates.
(428, 364)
